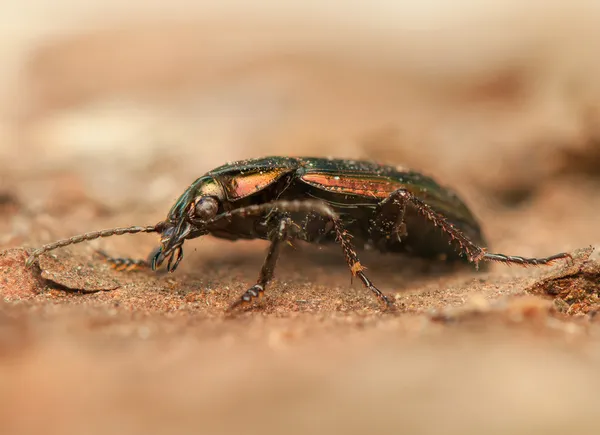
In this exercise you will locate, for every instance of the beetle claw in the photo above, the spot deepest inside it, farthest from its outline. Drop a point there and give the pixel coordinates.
(178, 254)
(157, 259)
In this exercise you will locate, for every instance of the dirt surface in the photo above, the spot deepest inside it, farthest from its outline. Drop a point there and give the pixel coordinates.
(104, 122)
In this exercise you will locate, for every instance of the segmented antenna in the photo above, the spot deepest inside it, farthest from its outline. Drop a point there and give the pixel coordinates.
(89, 236)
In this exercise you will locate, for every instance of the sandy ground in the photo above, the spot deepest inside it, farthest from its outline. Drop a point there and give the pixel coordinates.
(108, 112)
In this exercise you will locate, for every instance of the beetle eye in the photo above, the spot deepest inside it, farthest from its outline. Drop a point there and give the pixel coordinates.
(205, 208)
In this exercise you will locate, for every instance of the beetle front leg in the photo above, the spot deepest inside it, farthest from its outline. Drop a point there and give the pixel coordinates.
(279, 237)
(128, 264)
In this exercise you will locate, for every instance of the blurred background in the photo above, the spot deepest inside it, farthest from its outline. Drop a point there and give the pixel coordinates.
(126, 104)
(109, 109)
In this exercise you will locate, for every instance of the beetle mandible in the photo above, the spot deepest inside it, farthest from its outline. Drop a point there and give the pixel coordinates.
(316, 200)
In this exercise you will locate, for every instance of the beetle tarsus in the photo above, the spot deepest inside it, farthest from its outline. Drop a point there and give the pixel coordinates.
(255, 292)
(524, 261)
(124, 263)
(382, 297)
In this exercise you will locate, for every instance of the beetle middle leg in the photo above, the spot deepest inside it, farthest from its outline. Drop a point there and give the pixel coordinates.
(473, 252)
(279, 236)
(342, 236)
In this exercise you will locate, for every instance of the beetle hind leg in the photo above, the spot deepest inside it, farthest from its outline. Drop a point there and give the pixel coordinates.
(525, 261)
(473, 252)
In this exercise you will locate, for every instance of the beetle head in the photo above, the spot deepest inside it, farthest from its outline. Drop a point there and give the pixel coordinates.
(188, 219)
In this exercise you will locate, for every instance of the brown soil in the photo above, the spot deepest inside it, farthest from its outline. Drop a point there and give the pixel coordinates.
(88, 349)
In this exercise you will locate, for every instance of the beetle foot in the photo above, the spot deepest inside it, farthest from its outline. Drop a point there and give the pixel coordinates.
(388, 304)
(255, 292)
(124, 264)
(525, 261)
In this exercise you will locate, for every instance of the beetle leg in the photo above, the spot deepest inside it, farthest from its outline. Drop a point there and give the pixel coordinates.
(124, 263)
(524, 261)
(321, 208)
(279, 236)
(344, 239)
(473, 252)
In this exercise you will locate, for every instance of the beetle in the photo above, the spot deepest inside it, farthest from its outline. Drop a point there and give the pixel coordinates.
(317, 200)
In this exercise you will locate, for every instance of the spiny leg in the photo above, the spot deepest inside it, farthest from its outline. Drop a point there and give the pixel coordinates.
(319, 207)
(524, 261)
(473, 252)
(344, 239)
(280, 236)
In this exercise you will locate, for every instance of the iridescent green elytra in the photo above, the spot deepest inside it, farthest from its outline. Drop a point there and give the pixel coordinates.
(348, 202)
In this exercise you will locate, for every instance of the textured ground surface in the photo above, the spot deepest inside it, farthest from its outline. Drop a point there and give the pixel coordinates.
(104, 121)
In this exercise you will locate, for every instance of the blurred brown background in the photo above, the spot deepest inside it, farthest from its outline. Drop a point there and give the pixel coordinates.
(131, 103)
(109, 110)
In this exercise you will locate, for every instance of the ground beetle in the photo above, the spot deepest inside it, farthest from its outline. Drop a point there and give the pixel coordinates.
(316, 200)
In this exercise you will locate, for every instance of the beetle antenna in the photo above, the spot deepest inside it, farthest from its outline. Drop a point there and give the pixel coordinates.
(91, 236)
